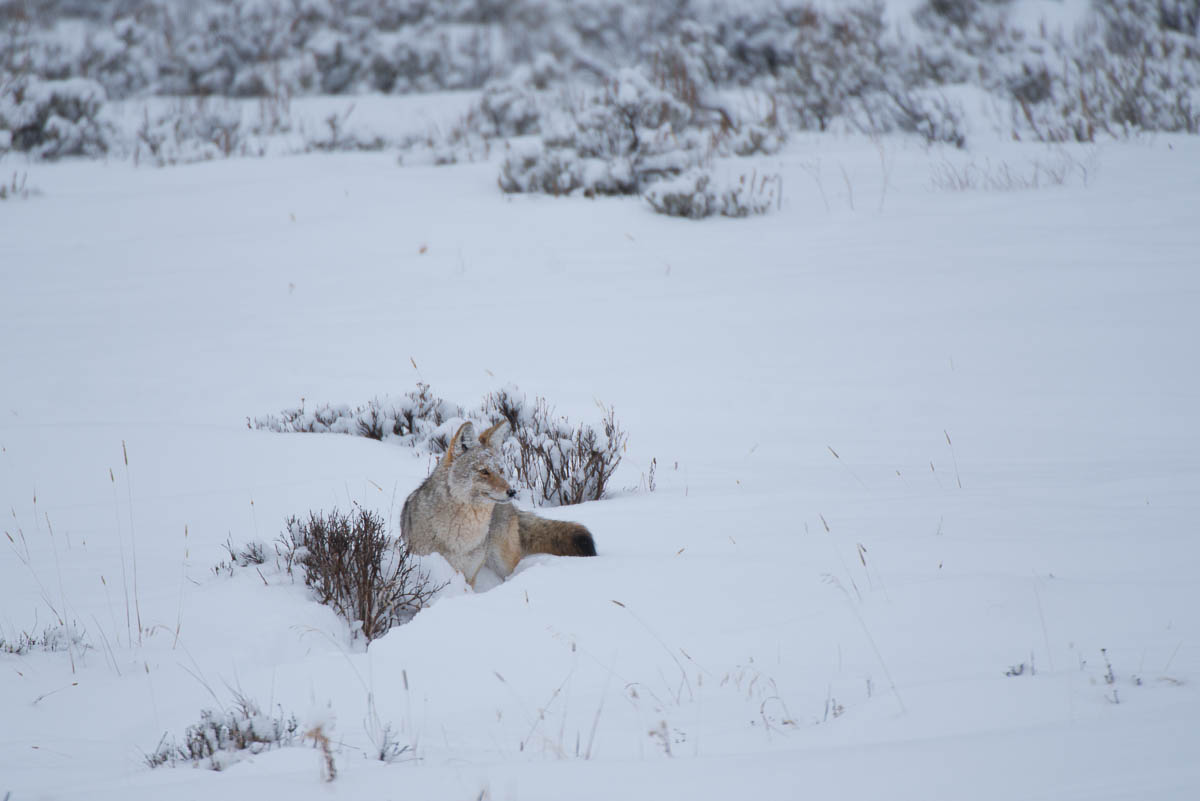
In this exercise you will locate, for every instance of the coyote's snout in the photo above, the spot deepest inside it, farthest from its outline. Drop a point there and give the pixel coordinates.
(462, 511)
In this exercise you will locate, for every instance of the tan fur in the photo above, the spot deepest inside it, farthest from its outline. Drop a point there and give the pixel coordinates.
(462, 511)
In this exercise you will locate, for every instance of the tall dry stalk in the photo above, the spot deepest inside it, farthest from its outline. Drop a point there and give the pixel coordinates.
(137, 606)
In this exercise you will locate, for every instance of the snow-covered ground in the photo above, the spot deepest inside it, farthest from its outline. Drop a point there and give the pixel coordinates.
(909, 440)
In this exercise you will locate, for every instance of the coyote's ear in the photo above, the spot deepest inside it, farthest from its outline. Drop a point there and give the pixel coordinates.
(463, 439)
(495, 435)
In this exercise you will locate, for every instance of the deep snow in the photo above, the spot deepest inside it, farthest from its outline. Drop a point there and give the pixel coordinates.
(808, 604)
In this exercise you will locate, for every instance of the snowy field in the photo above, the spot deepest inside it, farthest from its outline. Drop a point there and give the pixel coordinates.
(927, 487)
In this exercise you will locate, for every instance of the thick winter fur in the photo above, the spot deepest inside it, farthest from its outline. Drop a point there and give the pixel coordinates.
(463, 511)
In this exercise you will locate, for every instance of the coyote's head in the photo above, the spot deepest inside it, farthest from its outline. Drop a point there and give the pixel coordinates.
(474, 469)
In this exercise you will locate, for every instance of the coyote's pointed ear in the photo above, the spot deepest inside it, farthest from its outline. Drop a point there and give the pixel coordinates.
(495, 435)
(463, 439)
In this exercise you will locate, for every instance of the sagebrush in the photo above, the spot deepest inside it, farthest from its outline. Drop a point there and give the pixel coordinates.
(61, 637)
(577, 76)
(221, 738)
(353, 566)
(557, 461)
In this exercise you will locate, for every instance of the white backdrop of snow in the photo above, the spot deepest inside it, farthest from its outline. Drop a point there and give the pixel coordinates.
(1048, 335)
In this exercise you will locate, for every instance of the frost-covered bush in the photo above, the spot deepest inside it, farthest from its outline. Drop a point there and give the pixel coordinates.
(418, 418)
(51, 119)
(931, 116)
(532, 167)
(221, 739)
(754, 139)
(238, 48)
(61, 637)
(513, 106)
(126, 58)
(613, 142)
(509, 107)
(338, 137)
(1129, 69)
(839, 58)
(1147, 76)
(698, 194)
(846, 66)
(191, 130)
(27, 50)
(559, 463)
(748, 42)
(609, 31)
(1133, 65)
(822, 65)
(977, 41)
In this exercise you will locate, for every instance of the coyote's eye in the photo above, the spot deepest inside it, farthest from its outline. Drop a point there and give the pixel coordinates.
(485, 472)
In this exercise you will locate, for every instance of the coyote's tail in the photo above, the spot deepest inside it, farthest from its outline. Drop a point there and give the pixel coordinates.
(539, 535)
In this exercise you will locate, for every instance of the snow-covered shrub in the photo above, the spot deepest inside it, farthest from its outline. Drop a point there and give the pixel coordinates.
(352, 565)
(689, 66)
(968, 40)
(613, 142)
(531, 167)
(749, 43)
(191, 130)
(51, 119)
(337, 137)
(27, 50)
(1147, 74)
(418, 418)
(931, 116)
(241, 48)
(429, 56)
(755, 139)
(1134, 69)
(1129, 69)
(61, 637)
(221, 739)
(125, 58)
(698, 194)
(686, 65)
(609, 31)
(340, 58)
(839, 59)
(511, 107)
(559, 463)
(406, 61)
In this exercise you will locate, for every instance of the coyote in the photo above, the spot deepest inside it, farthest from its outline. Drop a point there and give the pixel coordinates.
(464, 512)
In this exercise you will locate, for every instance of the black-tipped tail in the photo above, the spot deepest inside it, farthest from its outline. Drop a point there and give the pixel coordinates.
(556, 537)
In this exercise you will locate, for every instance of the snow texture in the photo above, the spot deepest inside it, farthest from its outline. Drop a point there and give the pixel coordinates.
(922, 440)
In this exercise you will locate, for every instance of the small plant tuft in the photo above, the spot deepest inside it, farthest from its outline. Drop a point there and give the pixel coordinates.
(17, 188)
(696, 195)
(221, 739)
(970, 176)
(62, 637)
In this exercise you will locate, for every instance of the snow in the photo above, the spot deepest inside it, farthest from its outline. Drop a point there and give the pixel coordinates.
(908, 440)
